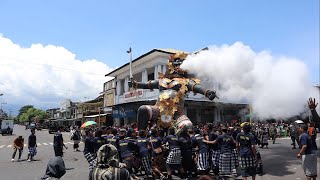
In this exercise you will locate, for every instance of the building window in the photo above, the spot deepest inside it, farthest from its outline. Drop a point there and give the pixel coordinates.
(150, 76)
(122, 87)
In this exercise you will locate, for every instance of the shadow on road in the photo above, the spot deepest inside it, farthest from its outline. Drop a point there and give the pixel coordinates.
(277, 161)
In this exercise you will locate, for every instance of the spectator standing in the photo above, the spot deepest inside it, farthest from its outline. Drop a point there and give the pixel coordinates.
(294, 135)
(203, 152)
(157, 154)
(144, 147)
(98, 140)
(32, 145)
(227, 159)
(75, 136)
(18, 144)
(113, 138)
(313, 134)
(246, 148)
(215, 151)
(308, 154)
(264, 139)
(88, 151)
(174, 158)
(186, 152)
(273, 133)
(58, 142)
(126, 150)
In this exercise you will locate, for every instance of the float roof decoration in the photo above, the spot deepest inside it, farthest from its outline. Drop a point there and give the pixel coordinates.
(180, 55)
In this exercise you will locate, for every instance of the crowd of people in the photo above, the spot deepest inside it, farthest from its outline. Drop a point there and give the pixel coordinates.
(214, 149)
(221, 150)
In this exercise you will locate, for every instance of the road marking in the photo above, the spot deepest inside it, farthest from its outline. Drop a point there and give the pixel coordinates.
(39, 144)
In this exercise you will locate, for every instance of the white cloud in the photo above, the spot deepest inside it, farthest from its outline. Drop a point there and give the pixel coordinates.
(276, 87)
(46, 75)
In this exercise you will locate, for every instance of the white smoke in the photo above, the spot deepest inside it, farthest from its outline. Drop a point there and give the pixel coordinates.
(275, 87)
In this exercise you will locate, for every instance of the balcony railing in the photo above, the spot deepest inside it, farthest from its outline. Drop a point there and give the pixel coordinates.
(150, 95)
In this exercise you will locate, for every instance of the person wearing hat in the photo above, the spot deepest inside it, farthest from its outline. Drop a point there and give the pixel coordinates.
(17, 145)
(108, 166)
(245, 144)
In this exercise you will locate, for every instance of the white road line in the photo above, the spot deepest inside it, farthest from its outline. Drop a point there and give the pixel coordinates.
(39, 144)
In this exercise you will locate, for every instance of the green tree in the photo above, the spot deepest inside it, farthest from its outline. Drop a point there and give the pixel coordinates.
(33, 114)
(24, 109)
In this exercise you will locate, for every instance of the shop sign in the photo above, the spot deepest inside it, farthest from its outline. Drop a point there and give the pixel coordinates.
(134, 94)
(120, 112)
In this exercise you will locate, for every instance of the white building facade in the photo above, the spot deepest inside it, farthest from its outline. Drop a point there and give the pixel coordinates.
(124, 103)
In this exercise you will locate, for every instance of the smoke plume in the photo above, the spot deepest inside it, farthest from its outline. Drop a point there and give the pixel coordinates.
(275, 87)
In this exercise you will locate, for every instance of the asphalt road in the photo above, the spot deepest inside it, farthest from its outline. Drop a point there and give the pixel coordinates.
(279, 160)
(77, 166)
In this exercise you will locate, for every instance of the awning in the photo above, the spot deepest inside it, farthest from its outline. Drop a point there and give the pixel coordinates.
(96, 115)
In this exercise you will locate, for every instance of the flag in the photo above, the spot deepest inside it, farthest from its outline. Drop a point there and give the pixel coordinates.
(129, 50)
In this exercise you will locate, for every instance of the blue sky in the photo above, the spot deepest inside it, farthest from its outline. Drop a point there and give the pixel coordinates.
(104, 30)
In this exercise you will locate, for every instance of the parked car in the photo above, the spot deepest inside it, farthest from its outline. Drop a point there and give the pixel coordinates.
(6, 127)
(52, 128)
(38, 127)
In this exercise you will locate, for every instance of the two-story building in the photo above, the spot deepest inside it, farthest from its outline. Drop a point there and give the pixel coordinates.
(124, 102)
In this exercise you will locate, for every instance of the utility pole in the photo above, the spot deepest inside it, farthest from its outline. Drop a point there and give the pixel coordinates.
(1, 94)
(2, 111)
